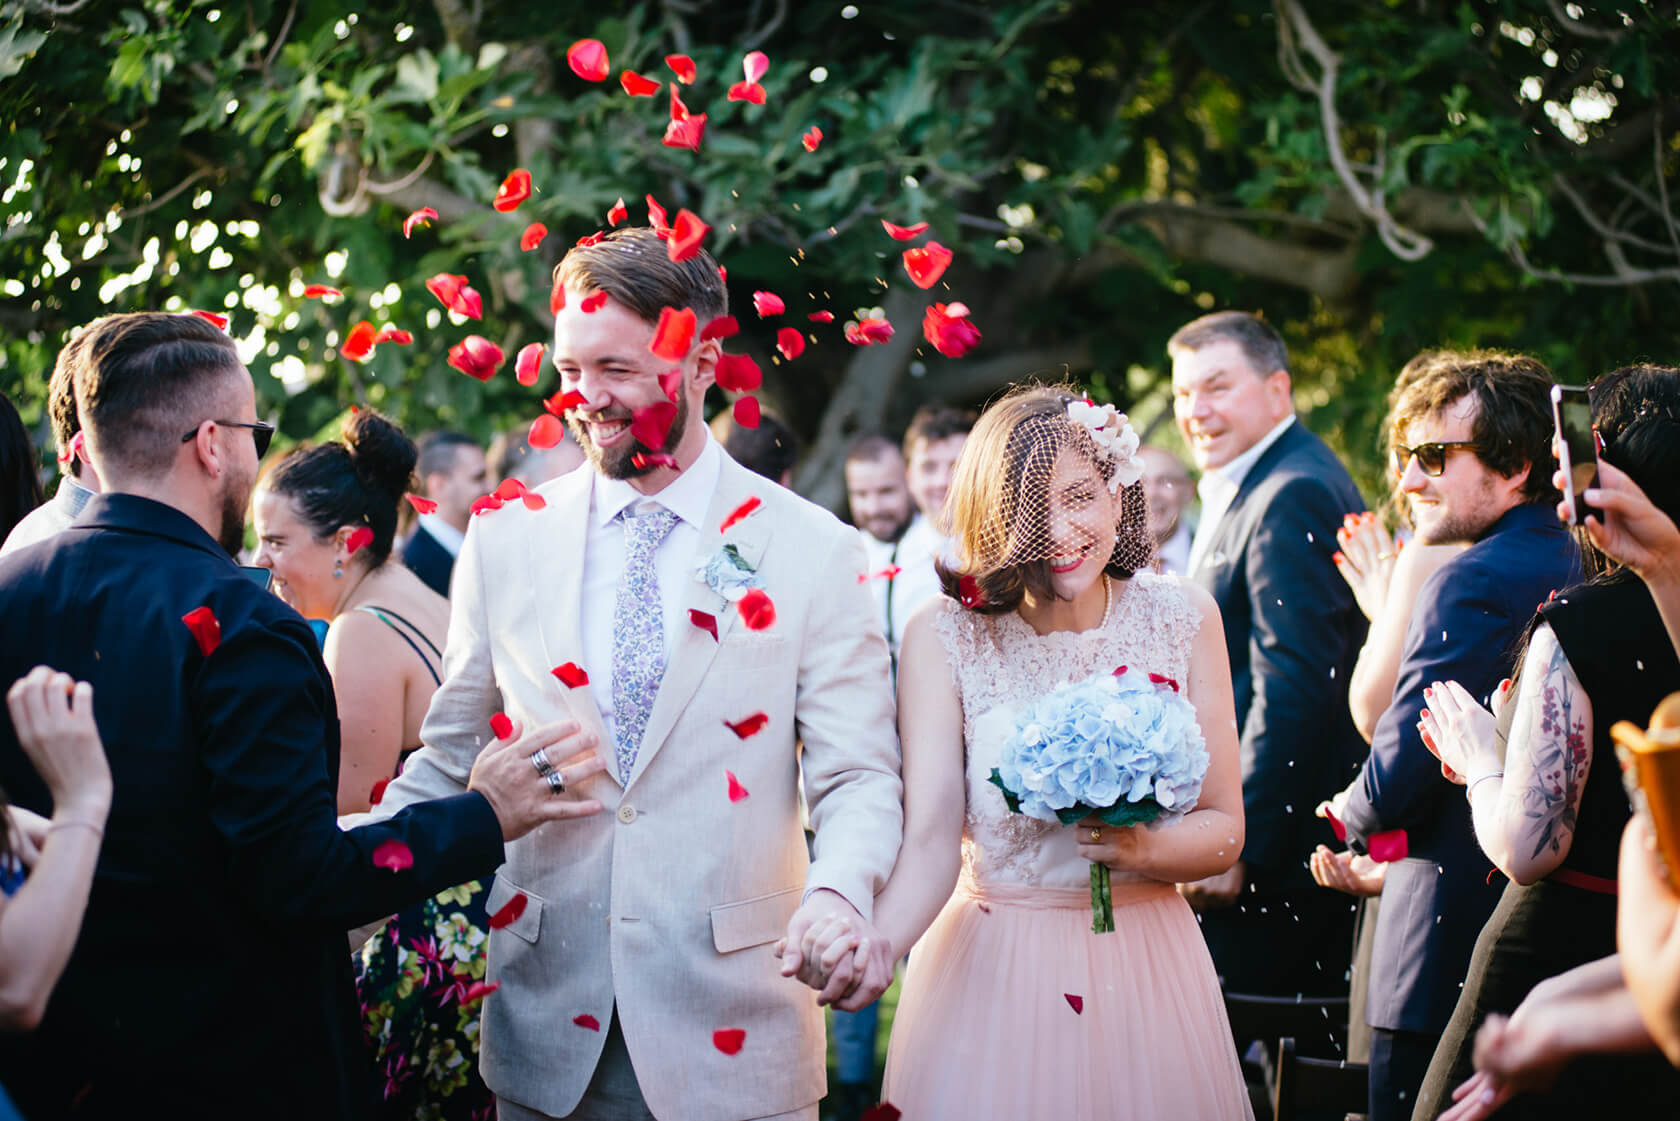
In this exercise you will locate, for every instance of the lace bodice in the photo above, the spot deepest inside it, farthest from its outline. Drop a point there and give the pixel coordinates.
(1000, 664)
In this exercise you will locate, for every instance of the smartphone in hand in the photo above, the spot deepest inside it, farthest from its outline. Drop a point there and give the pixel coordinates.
(1577, 448)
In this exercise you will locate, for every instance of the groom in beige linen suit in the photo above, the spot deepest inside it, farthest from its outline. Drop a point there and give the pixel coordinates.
(647, 942)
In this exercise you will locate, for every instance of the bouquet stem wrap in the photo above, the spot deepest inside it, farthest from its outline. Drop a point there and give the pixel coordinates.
(1102, 901)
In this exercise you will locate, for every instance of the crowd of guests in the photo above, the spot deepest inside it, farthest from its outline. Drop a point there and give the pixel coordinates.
(1466, 646)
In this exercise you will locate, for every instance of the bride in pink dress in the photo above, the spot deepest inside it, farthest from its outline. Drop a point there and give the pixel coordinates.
(1011, 1006)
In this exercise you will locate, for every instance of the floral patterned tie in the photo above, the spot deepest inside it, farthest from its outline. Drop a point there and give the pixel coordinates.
(638, 631)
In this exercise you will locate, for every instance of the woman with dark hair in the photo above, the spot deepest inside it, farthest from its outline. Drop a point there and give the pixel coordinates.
(1013, 1006)
(20, 478)
(325, 518)
(1545, 793)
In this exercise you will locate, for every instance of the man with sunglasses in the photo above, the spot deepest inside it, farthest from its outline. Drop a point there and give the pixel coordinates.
(1471, 446)
(213, 947)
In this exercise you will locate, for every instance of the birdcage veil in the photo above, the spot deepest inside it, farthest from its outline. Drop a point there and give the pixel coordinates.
(1046, 474)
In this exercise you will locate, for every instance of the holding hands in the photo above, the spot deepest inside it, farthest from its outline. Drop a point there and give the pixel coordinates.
(835, 950)
(1366, 560)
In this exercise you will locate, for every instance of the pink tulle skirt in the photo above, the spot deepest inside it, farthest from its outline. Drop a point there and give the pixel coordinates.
(987, 1024)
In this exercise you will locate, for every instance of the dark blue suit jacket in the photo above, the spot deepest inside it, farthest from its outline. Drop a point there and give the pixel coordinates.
(429, 560)
(1469, 618)
(1293, 633)
(212, 974)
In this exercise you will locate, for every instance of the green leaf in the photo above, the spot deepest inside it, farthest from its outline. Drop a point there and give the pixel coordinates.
(1132, 813)
(17, 46)
(1009, 797)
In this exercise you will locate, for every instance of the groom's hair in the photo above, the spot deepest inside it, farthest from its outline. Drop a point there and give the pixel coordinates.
(633, 266)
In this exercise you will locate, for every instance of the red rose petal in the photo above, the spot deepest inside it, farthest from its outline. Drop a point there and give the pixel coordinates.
(485, 503)
(656, 214)
(394, 855)
(1388, 846)
(968, 590)
(746, 412)
(720, 328)
(557, 297)
(390, 334)
(421, 505)
(546, 432)
(821, 317)
(751, 726)
(594, 303)
(618, 213)
(686, 133)
(768, 304)
(1077, 1003)
(687, 232)
(729, 1040)
(572, 675)
(587, 1021)
(377, 794)
(453, 292)
(790, 342)
(1120, 671)
(501, 726)
(425, 216)
(904, 233)
(637, 86)
(652, 425)
(654, 459)
(320, 291)
(925, 265)
(360, 538)
(737, 373)
(533, 500)
(1158, 679)
(868, 331)
(359, 343)
(477, 357)
(670, 383)
(515, 189)
(682, 66)
(674, 334)
(527, 367)
(510, 911)
(813, 137)
(747, 91)
(478, 990)
(206, 629)
(740, 513)
(561, 402)
(757, 612)
(588, 60)
(704, 621)
(737, 792)
(533, 236)
(952, 335)
(215, 317)
(888, 573)
(1336, 825)
(509, 489)
(883, 1111)
(754, 65)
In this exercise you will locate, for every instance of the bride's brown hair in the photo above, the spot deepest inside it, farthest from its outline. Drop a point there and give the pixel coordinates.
(999, 501)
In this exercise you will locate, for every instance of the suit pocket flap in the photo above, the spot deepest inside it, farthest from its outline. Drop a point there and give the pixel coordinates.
(529, 920)
(753, 922)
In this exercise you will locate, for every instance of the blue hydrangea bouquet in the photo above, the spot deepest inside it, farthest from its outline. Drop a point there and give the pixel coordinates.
(1124, 747)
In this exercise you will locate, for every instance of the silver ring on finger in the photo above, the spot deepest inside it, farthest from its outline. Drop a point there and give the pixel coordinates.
(539, 760)
(555, 782)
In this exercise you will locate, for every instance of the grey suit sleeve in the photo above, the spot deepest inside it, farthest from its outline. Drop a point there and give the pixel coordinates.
(846, 720)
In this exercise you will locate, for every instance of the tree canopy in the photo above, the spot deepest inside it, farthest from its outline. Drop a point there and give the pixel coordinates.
(1376, 178)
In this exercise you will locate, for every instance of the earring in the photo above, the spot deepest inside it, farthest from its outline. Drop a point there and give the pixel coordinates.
(338, 569)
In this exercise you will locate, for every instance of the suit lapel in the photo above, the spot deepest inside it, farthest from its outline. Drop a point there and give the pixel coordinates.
(694, 649)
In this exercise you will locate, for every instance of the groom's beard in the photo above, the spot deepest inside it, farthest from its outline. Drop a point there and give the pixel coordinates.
(618, 462)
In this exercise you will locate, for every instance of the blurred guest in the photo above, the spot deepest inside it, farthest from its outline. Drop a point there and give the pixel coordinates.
(1272, 496)
(1544, 813)
(1471, 441)
(80, 480)
(453, 472)
(770, 449)
(1166, 487)
(879, 499)
(52, 717)
(511, 456)
(931, 445)
(384, 650)
(20, 485)
(214, 936)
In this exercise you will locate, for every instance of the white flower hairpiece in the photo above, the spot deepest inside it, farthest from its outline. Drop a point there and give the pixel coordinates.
(1115, 438)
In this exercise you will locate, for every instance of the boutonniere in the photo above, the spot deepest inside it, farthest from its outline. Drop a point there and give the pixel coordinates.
(728, 573)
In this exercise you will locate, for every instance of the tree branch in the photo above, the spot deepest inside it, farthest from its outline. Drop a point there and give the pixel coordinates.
(1622, 274)
(761, 36)
(154, 203)
(1575, 27)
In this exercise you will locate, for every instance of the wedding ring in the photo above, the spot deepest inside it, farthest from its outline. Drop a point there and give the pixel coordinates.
(539, 760)
(1387, 556)
(1096, 836)
(555, 782)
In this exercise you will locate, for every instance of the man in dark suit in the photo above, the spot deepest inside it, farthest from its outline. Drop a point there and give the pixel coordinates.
(453, 472)
(1272, 497)
(1471, 437)
(212, 976)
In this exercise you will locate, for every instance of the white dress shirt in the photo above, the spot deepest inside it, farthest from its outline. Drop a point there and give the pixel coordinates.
(50, 517)
(443, 533)
(917, 582)
(1175, 554)
(688, 496)
(1219, 486)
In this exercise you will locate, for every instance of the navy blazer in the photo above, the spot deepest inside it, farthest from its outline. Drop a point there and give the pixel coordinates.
(1469, 617)
(212, 974)
(429, 560)
(1293, 632)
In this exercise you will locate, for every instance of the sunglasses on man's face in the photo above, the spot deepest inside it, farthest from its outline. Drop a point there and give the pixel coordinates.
(261, 432)
(1431, 457)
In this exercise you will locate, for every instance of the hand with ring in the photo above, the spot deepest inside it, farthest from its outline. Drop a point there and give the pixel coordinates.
(503, 774)
(1118, 846)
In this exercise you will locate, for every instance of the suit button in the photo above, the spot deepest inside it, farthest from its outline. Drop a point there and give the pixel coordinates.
(627, 814)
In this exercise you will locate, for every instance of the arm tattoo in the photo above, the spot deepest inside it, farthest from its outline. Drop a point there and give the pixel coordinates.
(1560, 760)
